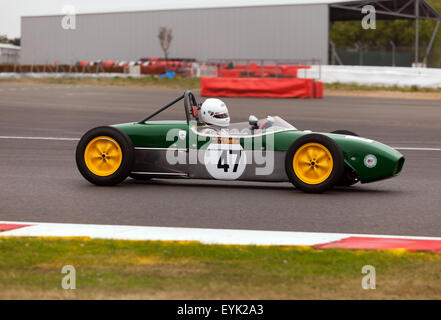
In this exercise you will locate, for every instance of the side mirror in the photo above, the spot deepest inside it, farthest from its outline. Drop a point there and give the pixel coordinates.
(252, 120)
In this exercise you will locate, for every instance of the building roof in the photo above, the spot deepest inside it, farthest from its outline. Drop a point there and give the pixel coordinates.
(93, 7)
(340, 9)
(384, 9)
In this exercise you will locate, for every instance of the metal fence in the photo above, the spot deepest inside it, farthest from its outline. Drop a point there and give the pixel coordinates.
(359, 55)
(262, 68)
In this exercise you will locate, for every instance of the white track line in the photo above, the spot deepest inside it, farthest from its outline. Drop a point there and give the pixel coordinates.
(40, 138)
(418, 149)
(77, 139)
(210, 236)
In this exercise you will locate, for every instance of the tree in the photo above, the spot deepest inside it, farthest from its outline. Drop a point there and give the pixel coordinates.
(4, 39)
(401, 32)
(15, 41)
(345, 34)
(165, 38)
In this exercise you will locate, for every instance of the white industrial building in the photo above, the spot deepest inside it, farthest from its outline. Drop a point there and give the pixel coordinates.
(9, 53)
(242, 29)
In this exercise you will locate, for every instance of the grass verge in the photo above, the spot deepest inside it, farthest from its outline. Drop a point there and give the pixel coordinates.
(30, 268)
(330, 89)
(145, 82)
(194, 83)
(395, 88)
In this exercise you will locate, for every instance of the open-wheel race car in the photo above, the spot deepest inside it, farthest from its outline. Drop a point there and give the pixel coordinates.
(269, 150)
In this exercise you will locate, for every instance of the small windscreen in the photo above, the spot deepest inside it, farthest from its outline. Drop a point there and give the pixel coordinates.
(266, 125)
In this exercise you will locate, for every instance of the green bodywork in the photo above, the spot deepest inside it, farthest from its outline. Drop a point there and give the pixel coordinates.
(152, 134)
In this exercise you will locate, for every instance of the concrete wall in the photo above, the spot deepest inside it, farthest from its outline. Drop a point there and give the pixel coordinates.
(376, 76)
(271, 32)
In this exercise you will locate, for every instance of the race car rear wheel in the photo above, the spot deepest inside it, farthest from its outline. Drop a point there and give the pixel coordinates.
(314, 163)
(105, 156)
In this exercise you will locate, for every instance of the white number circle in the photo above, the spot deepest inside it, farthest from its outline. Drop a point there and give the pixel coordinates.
(225, 161)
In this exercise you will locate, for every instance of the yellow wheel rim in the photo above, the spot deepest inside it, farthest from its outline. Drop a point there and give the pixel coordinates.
(312, 163)
(103, 156)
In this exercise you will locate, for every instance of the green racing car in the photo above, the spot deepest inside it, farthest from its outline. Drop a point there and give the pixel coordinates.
(268, 150)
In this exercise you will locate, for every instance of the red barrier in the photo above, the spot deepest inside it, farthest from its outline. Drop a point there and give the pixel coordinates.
(257, 87)
(255, 70)
(153, 69)
(318, 89)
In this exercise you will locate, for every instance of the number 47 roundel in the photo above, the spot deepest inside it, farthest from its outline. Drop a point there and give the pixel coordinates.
(225, 161)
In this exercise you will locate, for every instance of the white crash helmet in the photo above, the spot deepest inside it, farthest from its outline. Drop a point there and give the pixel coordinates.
(215, 112)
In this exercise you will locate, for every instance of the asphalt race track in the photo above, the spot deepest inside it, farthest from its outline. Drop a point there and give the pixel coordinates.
(40, 182)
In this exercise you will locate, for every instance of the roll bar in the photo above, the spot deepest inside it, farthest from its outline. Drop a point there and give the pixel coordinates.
(189, 100)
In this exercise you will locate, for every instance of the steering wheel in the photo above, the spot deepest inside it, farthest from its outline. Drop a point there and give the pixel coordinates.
(190, 104)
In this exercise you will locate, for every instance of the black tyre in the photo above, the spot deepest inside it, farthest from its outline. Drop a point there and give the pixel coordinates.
(105, 156)
(345, 132)
(314, 163)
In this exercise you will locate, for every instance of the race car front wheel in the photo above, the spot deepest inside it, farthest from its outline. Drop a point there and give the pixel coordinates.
(314, 163)
(105, 156)
(345, 132)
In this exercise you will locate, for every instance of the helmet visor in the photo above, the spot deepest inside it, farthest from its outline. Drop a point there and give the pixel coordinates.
(221, 116)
